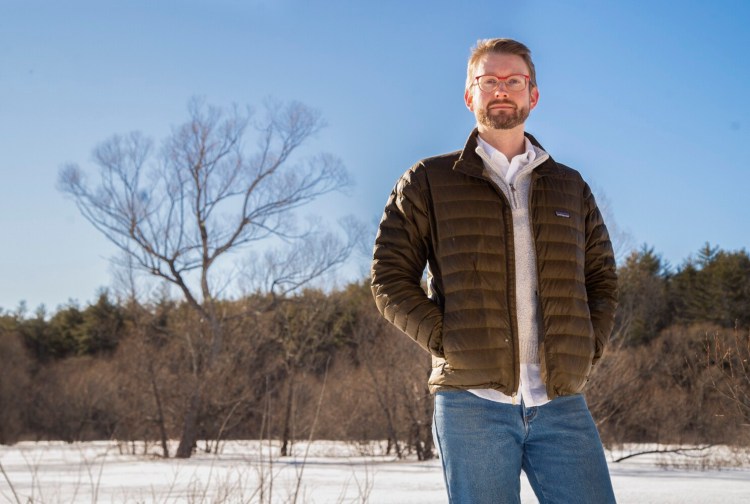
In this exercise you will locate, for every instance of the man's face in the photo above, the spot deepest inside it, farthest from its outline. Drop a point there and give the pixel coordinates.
(501, 109)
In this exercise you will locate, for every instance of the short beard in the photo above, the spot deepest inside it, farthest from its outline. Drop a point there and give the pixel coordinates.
(503, 120)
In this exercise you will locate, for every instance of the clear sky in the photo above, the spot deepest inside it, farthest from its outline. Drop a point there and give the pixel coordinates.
(649, 100)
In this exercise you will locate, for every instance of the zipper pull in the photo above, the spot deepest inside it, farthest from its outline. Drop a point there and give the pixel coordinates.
(513, 195)
(513, 398)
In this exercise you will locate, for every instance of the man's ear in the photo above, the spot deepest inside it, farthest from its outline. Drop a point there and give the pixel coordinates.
(533, 97)
(469, 99)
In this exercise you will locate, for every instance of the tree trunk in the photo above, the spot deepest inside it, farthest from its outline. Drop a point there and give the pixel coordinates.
(189, 434)
(159, 410)
(391, 430)
(286, 448)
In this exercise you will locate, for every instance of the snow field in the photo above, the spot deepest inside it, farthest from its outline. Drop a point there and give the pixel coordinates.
(330, 472)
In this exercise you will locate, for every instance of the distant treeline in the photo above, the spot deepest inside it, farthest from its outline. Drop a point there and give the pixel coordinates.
(326, 365)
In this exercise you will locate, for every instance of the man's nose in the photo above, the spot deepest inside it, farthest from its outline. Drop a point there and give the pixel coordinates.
(501, 89)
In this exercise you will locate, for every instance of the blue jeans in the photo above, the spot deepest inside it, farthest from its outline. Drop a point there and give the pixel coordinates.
(484, 445)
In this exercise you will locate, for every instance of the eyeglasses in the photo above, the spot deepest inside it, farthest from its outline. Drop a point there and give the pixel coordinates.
(489, 83)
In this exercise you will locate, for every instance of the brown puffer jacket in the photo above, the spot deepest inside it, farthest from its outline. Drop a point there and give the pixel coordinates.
(445, 213)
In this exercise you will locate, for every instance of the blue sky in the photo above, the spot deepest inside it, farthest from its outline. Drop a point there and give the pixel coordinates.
(647, 99)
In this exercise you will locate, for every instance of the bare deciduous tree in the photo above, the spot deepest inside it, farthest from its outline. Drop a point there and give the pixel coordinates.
(397, 380)
(180, 213)
(728, 366)
(15, 382)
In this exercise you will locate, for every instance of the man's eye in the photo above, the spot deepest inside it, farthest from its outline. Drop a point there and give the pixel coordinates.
(490, 81)
(514, 81)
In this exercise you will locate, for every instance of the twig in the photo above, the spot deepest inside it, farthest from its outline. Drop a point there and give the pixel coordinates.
(10, 484)
(312, 430)
(680, 450)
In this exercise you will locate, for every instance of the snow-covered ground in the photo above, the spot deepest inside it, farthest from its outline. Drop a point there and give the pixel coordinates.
(330, 472)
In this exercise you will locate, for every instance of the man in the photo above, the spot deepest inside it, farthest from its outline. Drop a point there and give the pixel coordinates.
(521, 296)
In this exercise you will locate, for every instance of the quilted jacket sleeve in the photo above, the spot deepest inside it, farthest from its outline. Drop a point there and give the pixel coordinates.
(401, 250)
(601, 278)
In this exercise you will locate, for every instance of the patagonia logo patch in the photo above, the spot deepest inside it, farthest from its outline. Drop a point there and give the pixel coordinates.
(562, 213)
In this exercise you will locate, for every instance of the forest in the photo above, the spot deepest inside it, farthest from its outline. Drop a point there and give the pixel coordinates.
(315, 364)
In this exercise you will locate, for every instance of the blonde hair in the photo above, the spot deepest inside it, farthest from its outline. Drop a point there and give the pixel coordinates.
(499, 46)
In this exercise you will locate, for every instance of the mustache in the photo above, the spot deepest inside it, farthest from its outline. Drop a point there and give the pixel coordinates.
(501, 102)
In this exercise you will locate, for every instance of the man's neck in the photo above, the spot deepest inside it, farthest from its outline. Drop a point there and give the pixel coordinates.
(510, 142)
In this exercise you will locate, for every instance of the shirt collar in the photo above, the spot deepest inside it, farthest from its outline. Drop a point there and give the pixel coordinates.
(524, 158)
(499, 162)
